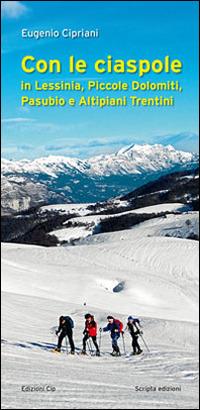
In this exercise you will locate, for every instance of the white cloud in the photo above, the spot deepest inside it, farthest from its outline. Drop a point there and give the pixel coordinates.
(16, 120)
(13, 9)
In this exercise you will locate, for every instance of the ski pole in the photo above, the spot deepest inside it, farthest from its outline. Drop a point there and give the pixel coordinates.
(88, 345)
(100, 338)
(91, 349)
(144, 343)
(124, 346)
(66, 341)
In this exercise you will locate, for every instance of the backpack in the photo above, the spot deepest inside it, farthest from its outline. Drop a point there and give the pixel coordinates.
(70, 321)
(120, 324)
(137, 321)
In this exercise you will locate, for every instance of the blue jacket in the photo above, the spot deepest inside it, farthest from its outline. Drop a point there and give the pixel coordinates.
(114, 328)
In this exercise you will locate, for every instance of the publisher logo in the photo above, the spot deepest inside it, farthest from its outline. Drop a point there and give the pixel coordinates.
(38, 388)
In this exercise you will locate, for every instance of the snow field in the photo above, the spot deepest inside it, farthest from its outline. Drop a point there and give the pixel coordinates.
(160, 285)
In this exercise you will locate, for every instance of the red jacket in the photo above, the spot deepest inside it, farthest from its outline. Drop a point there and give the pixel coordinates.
(91, 328)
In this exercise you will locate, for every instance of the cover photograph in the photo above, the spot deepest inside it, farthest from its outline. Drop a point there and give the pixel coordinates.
(100, 204)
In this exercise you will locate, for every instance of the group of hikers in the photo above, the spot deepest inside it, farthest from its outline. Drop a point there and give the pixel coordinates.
(114, 326)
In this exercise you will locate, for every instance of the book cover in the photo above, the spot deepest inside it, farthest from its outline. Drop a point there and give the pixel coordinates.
(100, 199)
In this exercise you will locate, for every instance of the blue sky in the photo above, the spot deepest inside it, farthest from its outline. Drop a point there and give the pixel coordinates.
(136, 30)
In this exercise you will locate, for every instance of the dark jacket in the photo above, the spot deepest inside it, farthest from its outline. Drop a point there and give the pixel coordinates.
(114, 328)
(66, 325)
(133, 329)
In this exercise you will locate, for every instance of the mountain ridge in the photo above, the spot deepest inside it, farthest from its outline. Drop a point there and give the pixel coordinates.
(109, 162)
(62, 179)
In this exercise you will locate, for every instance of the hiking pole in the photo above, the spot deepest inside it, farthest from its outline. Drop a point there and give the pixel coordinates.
(124, 346)
(100, 338)
(66, 341)
(88, 345)
(91, 349)
(148, 350)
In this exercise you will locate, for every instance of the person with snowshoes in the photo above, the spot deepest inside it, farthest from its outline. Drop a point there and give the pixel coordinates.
(115, 327)
(65, 329)
(90, 331)
(134, 330)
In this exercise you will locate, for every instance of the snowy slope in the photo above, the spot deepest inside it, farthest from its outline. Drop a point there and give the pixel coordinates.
(88, 383)
(160, 284)
(86, 225)
(19, 193)
(185, 226)
(81, 209)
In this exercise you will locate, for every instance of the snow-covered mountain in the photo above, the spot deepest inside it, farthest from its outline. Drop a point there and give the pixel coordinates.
(19, 193)
(94, 179)
(136, 159)
(140, 159)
